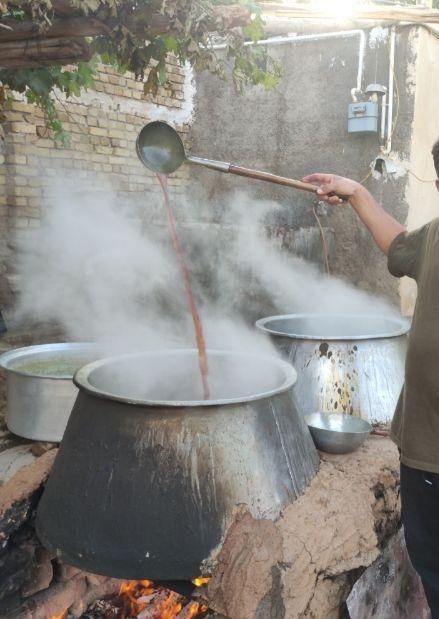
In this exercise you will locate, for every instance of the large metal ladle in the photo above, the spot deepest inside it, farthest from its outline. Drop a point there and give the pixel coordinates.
(160, 149)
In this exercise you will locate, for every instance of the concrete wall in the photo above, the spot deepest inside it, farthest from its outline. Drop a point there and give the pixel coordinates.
(103, 125)
(301, 127)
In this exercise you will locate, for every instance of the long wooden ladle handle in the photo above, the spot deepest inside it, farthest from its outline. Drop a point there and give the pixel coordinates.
(272, 178)
(278, 180)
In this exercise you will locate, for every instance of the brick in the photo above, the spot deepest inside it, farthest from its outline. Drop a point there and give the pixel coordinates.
(16, 138)
(28, 192)
(99, 158)
(20, 106)
(14, 116)
(32, 212)
(116, 133)
(118, 142)
(16, 201)
(35, 181)
(98, 131)
(23, 127)
(102, 121)
(104, 150)
(44, 143)
(15, 158)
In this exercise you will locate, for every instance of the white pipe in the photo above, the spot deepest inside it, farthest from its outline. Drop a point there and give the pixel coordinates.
(390, 91)
(383, 117)
(319, 37)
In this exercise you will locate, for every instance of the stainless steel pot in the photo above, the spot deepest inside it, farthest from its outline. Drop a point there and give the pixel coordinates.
(40, 390)
(149, 476)
(347, 364)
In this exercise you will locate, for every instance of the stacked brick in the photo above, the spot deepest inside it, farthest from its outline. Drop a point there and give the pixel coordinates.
(103, 125)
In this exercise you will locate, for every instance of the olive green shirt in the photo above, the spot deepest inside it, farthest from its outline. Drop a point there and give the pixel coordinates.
(415, 426)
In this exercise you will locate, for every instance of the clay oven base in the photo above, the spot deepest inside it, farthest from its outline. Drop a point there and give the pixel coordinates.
(304, 565)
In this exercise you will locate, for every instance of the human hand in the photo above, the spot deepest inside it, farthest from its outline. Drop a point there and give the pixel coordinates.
(333, 189)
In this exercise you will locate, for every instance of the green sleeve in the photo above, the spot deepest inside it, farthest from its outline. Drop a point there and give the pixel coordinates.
(406, 252)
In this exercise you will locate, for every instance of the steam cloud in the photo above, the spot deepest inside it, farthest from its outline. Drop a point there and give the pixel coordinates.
(105, 277)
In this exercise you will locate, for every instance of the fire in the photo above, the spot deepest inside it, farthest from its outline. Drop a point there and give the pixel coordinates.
(144, 600)
(62, 615)
(200, 581)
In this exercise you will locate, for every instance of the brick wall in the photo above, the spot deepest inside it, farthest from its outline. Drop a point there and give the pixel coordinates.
(103, 125)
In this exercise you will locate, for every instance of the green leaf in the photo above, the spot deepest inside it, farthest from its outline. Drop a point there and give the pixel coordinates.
(171, 44)
(40, 81)
(255, 30)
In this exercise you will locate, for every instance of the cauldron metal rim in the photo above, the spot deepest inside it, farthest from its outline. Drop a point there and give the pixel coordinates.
(81, 379)
(8, 358)
(402, 328)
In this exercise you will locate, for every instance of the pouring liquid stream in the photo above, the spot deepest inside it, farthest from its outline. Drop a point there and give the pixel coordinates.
(198, 327)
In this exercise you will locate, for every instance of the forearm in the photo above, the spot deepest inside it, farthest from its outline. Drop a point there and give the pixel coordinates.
(382, 226)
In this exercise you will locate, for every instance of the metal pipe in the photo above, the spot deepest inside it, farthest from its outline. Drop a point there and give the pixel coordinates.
(319, 37)
(390, 91)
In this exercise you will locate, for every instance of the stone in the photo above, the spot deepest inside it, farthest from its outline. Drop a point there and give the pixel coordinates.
(17, 495)
(12, 460)
(41, 574)
(390, 587)
(16, 560)
(53, 601)
(106, 586)
(64, 572)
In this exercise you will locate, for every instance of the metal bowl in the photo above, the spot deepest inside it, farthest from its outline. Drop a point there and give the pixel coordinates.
(337, 433)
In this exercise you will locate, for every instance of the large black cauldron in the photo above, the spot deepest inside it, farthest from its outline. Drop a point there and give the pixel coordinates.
(148, 476)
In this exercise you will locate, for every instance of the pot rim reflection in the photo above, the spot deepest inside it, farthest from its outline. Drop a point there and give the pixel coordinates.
(401, 327)
(286, 381)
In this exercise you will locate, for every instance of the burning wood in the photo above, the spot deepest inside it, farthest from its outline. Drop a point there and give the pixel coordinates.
(141, 599)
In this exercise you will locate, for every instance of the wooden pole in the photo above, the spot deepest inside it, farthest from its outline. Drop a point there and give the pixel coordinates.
(230, 15)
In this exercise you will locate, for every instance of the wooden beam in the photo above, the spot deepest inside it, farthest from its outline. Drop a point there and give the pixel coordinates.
(388, 14)
(230, 15)
(42, 52)
(74, 27)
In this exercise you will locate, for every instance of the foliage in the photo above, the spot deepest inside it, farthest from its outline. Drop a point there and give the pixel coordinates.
(131, 45)
(38, 86)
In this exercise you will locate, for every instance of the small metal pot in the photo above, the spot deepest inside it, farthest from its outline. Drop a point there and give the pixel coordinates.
(347, 364)
(40, 390)
(149, 476)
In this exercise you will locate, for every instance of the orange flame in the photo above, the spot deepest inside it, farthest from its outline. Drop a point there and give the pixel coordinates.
(62, 615)
(158, 603)
(200, 581)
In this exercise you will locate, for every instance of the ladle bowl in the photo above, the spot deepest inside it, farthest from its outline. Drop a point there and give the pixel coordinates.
(159, 148)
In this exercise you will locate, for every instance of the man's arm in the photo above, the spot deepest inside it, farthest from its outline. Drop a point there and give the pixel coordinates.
(380, 224)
